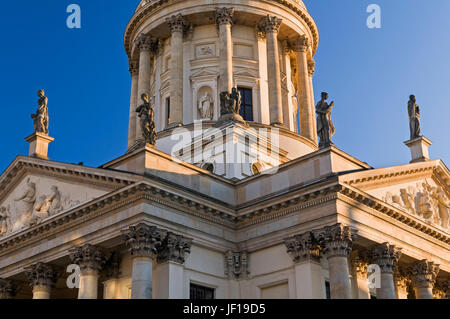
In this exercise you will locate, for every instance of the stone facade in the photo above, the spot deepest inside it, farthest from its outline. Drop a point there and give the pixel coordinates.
(290, 222)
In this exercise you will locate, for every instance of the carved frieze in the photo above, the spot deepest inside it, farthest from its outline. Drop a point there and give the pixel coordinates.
(423, 200)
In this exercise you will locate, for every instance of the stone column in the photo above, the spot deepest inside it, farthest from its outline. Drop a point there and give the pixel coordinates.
(336, 242)
(271, 25)
(42, 278)
(145, 44)
(224, 20)
(177, 25)
(386, 256)
(171, 258)
(91, 260)
(133, 118)
(111, 272)
(143, 242)
(424, 275)
(359, 273)
(311, 71)
(308, 126)
(309, 280)
(401, 281)
(7, 289)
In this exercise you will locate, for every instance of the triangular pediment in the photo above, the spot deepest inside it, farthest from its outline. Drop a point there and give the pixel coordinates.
(420, 189)
(204, 73)
(33, 190)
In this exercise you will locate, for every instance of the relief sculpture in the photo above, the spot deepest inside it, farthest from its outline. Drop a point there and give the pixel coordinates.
(425, 201)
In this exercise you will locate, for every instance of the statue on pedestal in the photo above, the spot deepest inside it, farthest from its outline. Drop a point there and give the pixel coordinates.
(325, 127)
(40, 119)
(147, 116)
(230, 103)
(414, 117)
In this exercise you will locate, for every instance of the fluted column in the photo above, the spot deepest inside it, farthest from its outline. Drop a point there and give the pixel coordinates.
(171, 258)
(336, 242)
(42, 278)
(271, 25)
(143, 242)
(423, 276)
(91, 260)
(145, 44)
(308, 126)
(133, 118)
(7, 289)
(224, 20)
(359, 273)
(305, 252)
(177, 25)
(386, 256)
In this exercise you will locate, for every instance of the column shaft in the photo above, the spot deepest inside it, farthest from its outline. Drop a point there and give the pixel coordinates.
(274, 74)
(226, 58)
(307, 113)
(41, 292)
(144, 82)
(141, 282)
(109, 289)
(339, 277)
(88, 284)
(133, 118)
(170, 281)
(176, 79)
(387, 288)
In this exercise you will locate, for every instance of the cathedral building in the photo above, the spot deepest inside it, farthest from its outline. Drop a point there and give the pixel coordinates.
(218, 195)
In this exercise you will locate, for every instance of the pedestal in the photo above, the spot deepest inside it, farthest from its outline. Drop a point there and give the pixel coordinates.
(39, 145)
(419, 149)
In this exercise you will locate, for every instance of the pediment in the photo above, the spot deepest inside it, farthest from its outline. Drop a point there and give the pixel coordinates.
(420, 189)
(204, 73)
(34, 190)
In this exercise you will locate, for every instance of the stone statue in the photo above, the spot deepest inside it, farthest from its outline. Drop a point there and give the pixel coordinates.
(40, 119)
(147, 115)
(205, 106)
(325, 127)
(230, 103)
(443, 206)
(414, 117)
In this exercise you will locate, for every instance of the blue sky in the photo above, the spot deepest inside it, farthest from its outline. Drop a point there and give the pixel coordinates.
(369, 73)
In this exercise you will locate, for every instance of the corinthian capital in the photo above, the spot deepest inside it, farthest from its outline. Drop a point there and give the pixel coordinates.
(336, 240)
(303, 248)
(302, 44)
(386, 256)
(270, 24)
(41, 274)
(133, 67)
(88, 257)
(424, 274)
(143, 240)
(7, 289)
(146, 42)
(224, 16)
(177, 23)
(174, 248)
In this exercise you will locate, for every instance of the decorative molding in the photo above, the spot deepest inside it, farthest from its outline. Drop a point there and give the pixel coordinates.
(386, 256)
(304, 247)
(423, 274)
(236, 265)
(178, 23)
(311, 67)
(88, 257)
(146, 43)
(174, 248)
(302, 44)
(336, 240)
(143, 240)
(224, 16)
(41, 274)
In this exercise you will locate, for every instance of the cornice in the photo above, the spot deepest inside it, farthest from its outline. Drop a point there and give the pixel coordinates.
(143, 12)
(348, 192)
(86, 175)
